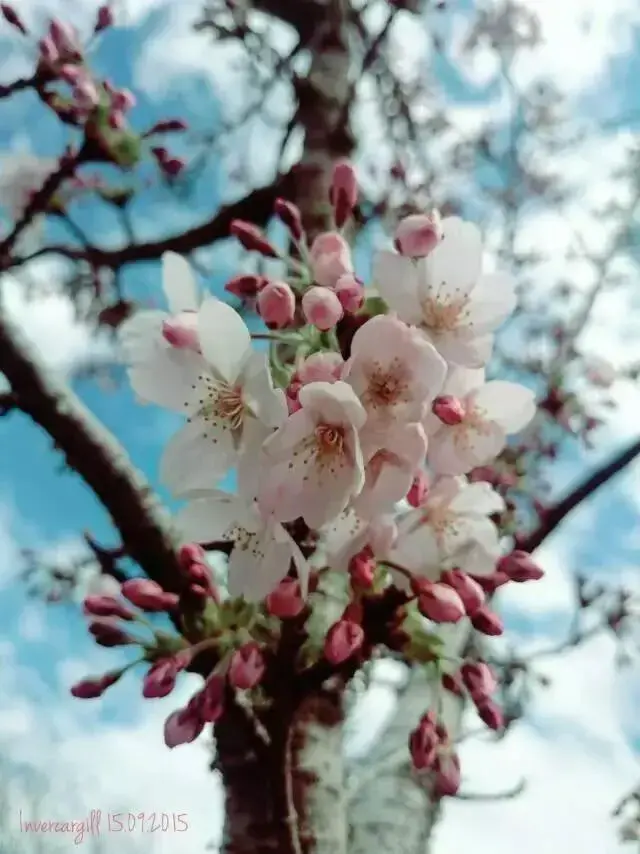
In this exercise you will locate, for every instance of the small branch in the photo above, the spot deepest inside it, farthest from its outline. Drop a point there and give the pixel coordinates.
(95, 455)
(8, 89)
(556, 514)
(257, 206)
(507, 795)
(8, 401)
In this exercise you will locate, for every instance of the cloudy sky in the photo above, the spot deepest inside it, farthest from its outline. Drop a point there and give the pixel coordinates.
(578, 749)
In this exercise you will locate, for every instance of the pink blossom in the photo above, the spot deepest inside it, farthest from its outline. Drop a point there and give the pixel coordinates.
(290, 215)
(160, 679)
(122, 100)
(343, 640)
(447, 774)
(418, 235)
(519, 566)
(277, 304)
(350, 292)
(479, 679)
(286, 600)
(441, 603)
(210, 701)
(247, 667)
(448, 409)
(148, 595)
(469, 590)
(252, 238)
(320, 367)
(182, 727)
(343, 193)
(330, 258)
(106, 606)
(322, 308)
(181, 331)
(486, 622)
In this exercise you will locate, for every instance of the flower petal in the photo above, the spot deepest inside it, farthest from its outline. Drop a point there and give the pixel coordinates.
(396, 279)
(224, 338)
(167, 379)
(457, 450)
(209, 518)
(332, 403)
(179, 283)
(453, 268)
(478, 499)
(492, 301)
(460, 348)
(266, 402)
(197, 456)
(510, 405)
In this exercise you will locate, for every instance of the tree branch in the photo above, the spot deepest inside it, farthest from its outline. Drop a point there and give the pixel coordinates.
(556, 514)
(257, 206)
(95, 455)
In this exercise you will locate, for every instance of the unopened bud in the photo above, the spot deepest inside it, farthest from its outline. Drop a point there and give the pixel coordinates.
(247, 667)
(343, 640)
(286, 600)
(109, 634)
(11, 17)
(245, 286)
(423, 743)
(447, 775)
(290, 215)
(106, 606)
(182, 727)
(321, 308)
(467, 589)
(491, 715)
(449, 410)
(418, 235)
(486, 622)
(277, 304)
(519, 566)
(478, 679)
(148, 595)
(343, 193)
(419, 489)
(211, 698)
(441, 603)
(160, 679)
(252, 238)
(350, 292)
(362, 568)
(104, 19)
(167, 126)
(93, 687)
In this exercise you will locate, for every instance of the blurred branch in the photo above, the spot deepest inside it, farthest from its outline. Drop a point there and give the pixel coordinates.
(554, 515)
(506, 795)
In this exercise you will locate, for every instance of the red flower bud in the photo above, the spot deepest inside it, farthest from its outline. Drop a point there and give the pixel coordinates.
(519, 566)
(362, 568)
(160, 679)
(452, 682)
(93, 687)
(423, 743)
(467, 589)
(418, 235)
(210, 701)
(343, 640)
(441, 604)
(486, 622)
(104, 19)
(478, 679)
(247, 666)
(245, 286)
(448, 409)
(167, 126)
(285, 601)
(419, 489)
(148, 595)
(343, 193)
(182, 727)
(290, 215)
(447, 776)
(106, 606)
(109, 634)
(491, 714)
(252, 238)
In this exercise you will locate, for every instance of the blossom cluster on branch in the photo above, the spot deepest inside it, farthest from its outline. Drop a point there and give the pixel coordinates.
(350, 427)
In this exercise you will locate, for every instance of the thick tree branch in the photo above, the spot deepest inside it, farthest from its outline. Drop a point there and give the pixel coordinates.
(95, 455)
(257, 206)
(556, 514)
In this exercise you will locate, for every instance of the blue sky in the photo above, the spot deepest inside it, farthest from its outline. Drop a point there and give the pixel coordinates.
(581, 731)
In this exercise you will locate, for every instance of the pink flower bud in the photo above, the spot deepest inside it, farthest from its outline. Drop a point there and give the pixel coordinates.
(321, 308)
(189, 554)
(320, 367)
(350, 292)
(362, 568)
(11, 17)
(181, 331)
(441, 603)
(93, 687)
(519, 566)
(65, 39)
(486, 622)
(173, 166)
(419, 489)
(182, 727)
(478, 679)
(423, 743)
(449, 410)
(286, 600)
(122, 100)
(447, 775)
(290, 215)
(247, 666)
(292, 396)
(343, 640)
(490, 583)
(160, 679)
(48, 51)
(109, 634)
(104, 19)
(148, 595)
(106, 606)
(277, 304)
(330, 258)
(245, 286)
(418, 235)
(451, 682)
(252, 238)
(343, 193)
(491, 715)
(467, 589)
(211, 699)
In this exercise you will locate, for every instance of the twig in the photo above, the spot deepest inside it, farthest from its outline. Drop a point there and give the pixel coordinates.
(506, 795)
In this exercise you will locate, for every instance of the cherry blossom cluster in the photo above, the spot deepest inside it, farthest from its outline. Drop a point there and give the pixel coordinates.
(350, 428)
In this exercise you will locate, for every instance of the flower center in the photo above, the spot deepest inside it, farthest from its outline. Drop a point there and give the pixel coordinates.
(475, 422)
(222, 402)
(444, 315)
(386, 386)
(329, 442)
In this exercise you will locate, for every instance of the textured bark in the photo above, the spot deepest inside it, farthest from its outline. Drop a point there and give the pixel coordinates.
(284, 778)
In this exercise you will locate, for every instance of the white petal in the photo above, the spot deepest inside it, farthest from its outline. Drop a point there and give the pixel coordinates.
(179, 283)
(281, 444)
(197, 457)
(453, 268)
(457, 450)
(332, 403)
(397, 282)
(460, 381)
(460, 348)
(510, 405)
(168, 379)
(140, 336)
(255, 571)
(267, 403)
(224, 338)
(206, 519)
(492, 301)
(478, 499)
(418, 551)
(254, 434)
